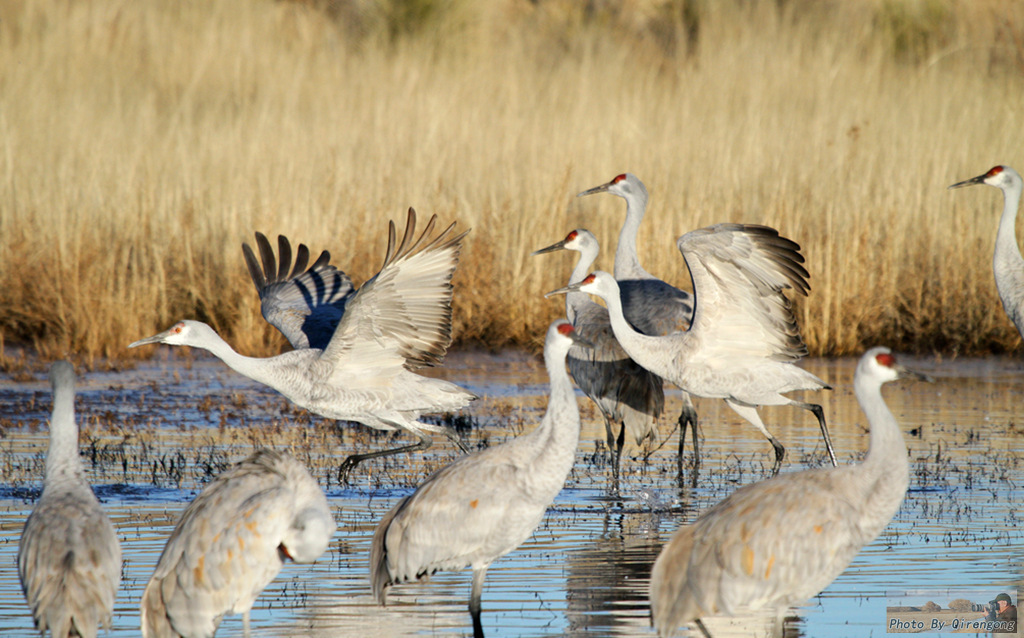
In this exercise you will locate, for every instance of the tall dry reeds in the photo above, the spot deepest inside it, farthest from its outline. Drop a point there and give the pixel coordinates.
(141, 143)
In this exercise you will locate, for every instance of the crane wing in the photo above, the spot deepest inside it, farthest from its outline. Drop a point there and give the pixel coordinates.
(306, 305)
(654, 307)
(405, 309)
(739, 274)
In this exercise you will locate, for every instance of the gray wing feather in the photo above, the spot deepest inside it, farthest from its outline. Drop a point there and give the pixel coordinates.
(740, 273)
(306, 305)
(406, 306)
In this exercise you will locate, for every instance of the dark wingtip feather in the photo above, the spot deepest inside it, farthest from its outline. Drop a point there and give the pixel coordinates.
(255, 272)
(301, 259)
(267, 255)
(284, 256)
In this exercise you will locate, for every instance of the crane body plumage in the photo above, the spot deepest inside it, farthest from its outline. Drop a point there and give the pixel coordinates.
(484, 505)
(1007, 262)
(776, 543)
(231, 542)
(625, 393)
(356, 352)
(69, 558)
(743, 339)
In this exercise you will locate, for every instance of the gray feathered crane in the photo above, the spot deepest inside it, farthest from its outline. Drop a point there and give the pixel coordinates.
(486, 504)
(231, 542)
(652, 306)
(776, 543)
(625, 393)
(744, 340)
(69, 558)
(356, 352)
(1007, 263)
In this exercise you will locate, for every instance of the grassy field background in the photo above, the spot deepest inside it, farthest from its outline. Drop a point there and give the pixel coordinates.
(142, 142)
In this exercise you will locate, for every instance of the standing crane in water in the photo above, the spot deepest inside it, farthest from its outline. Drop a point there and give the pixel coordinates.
(1007, 263)
(355, 352)
(231, 542)
(652, 306)
(625, 393)
(744, 341)
(486, 504)
(69, 558)
(776, 543)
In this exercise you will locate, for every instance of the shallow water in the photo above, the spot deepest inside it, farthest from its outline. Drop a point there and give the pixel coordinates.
(154, 435)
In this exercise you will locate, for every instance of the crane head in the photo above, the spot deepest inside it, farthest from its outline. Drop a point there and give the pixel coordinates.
(308, 535)
(880, 363)
(578, 240)
(566, 330)
(597, 283)
(183, 333)
(998, 176)
(627, 185)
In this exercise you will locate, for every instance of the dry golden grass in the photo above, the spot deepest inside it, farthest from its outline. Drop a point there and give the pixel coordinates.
(141, 143)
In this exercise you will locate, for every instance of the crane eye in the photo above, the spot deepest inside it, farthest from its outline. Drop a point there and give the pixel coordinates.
(619, 178)
(571, 236)
(590, 279)
(886, 360)
(995, 171)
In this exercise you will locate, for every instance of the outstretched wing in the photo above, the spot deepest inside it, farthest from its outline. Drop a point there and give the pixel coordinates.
(739, 274)
(405, 309)
(306, 305)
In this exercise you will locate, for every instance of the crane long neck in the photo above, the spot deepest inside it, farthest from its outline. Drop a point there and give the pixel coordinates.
(1007, 261)
(255, 368)
(635, 344)
(576, 300)
(62, 460)
(627, 261)
(886, 470)
(558, 435)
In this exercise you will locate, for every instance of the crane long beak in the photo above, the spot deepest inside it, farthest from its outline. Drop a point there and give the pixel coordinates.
(562, 291)
(980, 179)
(597, 189)
(550, 249)
(906, 373)
(154, 339)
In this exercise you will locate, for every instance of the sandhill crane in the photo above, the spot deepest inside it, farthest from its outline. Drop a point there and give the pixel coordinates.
(1007, 262)
(355, 352)
(776, 543)
(69, 558)
(650, 305)
(484, 505)
(744, 339)
(231, 542)
(624, 392)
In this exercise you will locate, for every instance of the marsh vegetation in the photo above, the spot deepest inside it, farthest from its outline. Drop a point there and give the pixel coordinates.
(141, 143)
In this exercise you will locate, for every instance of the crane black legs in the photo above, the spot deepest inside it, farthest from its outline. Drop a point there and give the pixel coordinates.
(425, 441)
(688, 418)
(474, 600)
